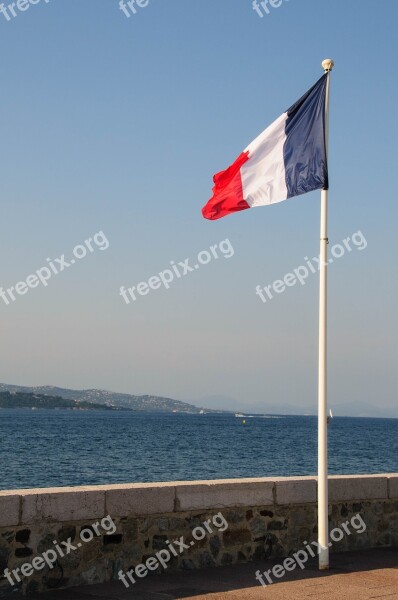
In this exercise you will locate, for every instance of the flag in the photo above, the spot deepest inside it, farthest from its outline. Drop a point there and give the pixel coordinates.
(287, 159)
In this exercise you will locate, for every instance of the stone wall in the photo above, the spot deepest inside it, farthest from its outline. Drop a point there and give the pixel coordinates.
(266, 518)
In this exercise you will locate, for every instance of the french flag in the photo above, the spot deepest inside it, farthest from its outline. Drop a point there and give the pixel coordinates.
(288, 159)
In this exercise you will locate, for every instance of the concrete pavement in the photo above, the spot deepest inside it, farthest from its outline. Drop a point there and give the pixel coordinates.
(364, 575)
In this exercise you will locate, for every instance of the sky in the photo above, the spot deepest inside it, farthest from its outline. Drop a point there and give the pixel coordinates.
(112, 127)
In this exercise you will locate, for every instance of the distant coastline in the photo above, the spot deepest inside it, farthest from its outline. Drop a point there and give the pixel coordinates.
(50, 397)
(19, 400)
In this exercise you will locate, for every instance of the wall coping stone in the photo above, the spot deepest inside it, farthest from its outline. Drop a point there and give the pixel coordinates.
(358, 487)
(25, 506)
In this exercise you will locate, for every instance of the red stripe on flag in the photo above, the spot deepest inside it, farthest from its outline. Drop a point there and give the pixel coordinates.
(227, 191)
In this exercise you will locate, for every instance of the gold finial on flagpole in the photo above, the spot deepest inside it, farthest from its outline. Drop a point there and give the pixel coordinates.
(327, 65)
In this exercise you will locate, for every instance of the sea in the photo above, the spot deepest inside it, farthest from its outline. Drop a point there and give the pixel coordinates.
(48, 448)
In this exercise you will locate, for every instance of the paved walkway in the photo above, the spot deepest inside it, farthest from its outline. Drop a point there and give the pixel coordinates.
(362, 575)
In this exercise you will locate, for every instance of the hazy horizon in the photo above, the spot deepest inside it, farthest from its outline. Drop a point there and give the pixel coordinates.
(224, 403)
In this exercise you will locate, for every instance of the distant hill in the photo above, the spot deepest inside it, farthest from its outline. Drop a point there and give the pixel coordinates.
(104, 398)
(32, 400)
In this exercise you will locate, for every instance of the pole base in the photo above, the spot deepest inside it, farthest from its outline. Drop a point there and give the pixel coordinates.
(323, 559)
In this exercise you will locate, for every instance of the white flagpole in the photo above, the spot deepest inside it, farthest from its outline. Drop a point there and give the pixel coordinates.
(323, 496)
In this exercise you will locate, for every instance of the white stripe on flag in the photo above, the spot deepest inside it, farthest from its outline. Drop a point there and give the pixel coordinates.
(263, 175)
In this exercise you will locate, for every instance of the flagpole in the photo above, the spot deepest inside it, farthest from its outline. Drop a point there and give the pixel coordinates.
(323, 499)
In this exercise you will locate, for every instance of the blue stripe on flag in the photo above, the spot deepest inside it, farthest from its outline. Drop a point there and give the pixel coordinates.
(304, 151)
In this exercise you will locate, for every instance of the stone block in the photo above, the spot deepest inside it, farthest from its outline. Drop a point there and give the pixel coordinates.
(9, 509)
(224, 494)
(140, 499)
(62, 504)
(344, 488)
(393, 486)
(295, 490)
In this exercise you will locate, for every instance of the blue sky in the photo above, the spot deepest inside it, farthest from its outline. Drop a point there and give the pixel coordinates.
(118, 124)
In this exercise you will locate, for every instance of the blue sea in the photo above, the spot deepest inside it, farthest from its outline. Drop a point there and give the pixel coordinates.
(48, 448)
